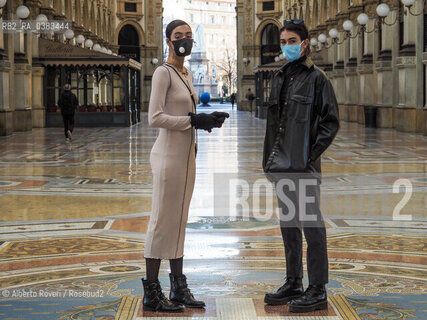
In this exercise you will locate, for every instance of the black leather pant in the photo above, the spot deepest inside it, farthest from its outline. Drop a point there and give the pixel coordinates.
(68, 123)
(292, 227)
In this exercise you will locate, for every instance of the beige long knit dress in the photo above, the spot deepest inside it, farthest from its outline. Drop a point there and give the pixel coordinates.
(173, 163)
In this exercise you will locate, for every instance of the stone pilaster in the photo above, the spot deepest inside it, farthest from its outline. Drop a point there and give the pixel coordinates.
(408, 46)
(366, 93)
(22, 116)
(240, 54)
(385, 73)
(151, 48)
(2, 45)
(38, 109)
(420, 72)
(6, 115)
(404, 115)
(147, 54)
(352, 88)
(150, 22)
(424, 59)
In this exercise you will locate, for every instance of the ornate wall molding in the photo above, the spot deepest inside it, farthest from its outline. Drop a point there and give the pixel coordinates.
(249, 13)
(136, 25)
(262, 25)
(276, 13)
(150, 24)
(406, 62)
(139, 14)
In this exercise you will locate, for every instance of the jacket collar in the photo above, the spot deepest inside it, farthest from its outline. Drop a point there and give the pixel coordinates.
(308, 63)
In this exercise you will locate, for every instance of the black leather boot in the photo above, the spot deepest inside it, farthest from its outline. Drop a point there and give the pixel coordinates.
(290, 290)
(314, 298)
(180, 292)
(155, 300)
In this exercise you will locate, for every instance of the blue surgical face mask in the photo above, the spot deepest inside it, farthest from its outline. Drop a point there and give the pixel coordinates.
(292, 52)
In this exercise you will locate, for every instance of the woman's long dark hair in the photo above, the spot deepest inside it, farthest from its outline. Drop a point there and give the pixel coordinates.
(301, 30)
(172, 25)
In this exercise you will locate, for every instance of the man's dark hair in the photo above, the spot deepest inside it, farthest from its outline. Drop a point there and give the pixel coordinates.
(301, 30)
(172, 25)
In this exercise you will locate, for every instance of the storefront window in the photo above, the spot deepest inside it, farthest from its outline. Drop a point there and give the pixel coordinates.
(91, 105)
(267, 88)
(53, 89)
(109, 89)
(120, 89)
(81, 91)
(270, 47)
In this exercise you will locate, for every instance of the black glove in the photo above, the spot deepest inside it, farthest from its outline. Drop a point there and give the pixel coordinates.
(203, 121)
(220, 116)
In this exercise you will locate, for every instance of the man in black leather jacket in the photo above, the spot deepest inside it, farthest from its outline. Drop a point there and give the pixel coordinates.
(302, 121)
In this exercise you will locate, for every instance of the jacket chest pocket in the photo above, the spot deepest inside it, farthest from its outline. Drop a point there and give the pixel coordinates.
(300, 107)
(272, 101)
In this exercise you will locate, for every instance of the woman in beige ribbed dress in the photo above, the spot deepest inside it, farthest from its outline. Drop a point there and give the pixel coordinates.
(172, 109)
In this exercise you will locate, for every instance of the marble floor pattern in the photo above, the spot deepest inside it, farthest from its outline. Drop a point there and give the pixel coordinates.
(74, 216)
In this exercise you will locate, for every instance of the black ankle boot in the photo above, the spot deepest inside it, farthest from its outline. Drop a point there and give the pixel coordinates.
(314, 298)
(155, 300)
(290, 290)
(181, 294)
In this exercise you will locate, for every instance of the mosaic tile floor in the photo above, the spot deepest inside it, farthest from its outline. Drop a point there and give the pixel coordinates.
(74, 216)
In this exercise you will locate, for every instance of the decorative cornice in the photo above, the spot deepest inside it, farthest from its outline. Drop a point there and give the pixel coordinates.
(49, 12)
(33, 3)
(385, 55)
(407, 50)
(78, 29)
(354, 11)
(59, 16)
(371, 8)
(269, 14)
(123, 16)
(409, 61)
(352, 62)
(393, 4)
(341, 17)
(383, 65)
(367, 59)
(331, 23)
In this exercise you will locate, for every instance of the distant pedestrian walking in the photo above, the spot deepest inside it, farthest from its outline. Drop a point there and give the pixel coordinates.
(68, 103)
(251, 97)
(232, 100)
